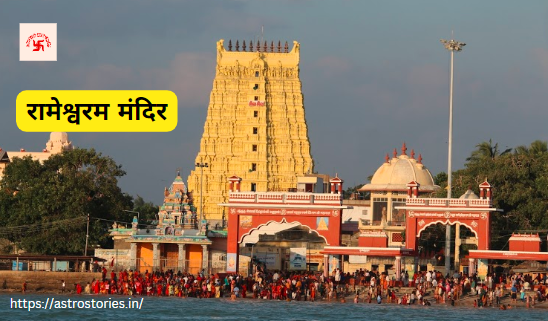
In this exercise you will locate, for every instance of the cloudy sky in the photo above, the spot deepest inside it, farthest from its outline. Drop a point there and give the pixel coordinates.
(374, 75)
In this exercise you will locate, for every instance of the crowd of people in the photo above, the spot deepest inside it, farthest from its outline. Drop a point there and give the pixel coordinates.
(365, 286)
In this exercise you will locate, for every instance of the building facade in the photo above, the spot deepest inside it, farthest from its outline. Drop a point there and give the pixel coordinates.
(174, 243)
(283, 230)
(57, 143)
(255, 127)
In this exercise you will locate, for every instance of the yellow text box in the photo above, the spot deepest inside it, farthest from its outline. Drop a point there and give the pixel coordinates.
(96, 111)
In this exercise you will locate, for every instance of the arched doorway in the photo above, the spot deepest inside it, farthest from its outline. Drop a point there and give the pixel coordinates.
(281, 246)
(431, 245)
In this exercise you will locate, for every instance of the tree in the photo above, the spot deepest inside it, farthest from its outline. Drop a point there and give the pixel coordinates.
(520, 187)
(347, 193)
(44, 207)
(148, 211)
(487, 150)
(537, 148)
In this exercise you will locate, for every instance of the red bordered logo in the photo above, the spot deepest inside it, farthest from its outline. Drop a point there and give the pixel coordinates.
(38, 41)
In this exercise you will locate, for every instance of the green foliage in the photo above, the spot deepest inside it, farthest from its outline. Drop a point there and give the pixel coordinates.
(49, 202)
(347, 193)
(520, 186)
(147, 210)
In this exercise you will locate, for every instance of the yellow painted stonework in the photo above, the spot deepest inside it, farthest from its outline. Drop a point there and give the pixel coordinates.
(255, 126)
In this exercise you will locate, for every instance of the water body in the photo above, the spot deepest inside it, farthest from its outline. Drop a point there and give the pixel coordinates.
(156, 309)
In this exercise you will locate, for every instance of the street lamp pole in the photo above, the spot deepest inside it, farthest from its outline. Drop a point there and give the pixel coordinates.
(452, 46)
(87, 237)
(201, 165)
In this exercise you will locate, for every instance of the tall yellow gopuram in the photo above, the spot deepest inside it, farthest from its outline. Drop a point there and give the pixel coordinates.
(255, 126)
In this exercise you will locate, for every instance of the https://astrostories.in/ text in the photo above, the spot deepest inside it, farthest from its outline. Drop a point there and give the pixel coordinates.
(53, 303)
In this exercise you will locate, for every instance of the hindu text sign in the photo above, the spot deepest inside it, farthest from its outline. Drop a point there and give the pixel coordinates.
(96, 111)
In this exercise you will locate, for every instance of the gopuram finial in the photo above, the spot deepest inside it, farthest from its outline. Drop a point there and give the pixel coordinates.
(279, 46)
(403, 149)
(420, 159)
(387, 158)
(395, 152)
(230, 45)
(286, 48)
(243, 46)
(237, 45)
(272, 46)
(413, 153)
(251, 45)
(265, 46)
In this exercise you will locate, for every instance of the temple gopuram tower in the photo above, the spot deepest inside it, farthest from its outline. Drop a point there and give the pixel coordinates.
(255, 127)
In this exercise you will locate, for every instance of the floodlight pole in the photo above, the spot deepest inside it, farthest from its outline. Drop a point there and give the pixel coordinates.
(452, 46)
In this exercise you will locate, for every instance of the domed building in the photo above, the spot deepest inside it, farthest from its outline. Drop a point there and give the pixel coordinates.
(389, 189)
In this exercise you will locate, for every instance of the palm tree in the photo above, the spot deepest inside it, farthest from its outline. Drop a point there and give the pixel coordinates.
(536, 148)
(487, 150)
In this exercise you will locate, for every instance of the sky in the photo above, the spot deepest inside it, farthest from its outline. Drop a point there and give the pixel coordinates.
(374, 75)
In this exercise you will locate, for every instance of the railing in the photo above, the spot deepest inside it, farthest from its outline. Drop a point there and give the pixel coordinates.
(286, 198)
(444, 202)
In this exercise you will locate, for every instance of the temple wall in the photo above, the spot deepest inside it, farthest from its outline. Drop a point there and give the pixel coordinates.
(45, 281)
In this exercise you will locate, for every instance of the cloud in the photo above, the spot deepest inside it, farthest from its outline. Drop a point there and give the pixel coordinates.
(541, 57)
(190, 76)
(332, 64)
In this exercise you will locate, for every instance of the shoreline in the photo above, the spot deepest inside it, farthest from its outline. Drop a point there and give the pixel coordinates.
(464, 301)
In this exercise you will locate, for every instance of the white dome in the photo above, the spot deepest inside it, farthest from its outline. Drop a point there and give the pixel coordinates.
(469, 194)
(58, 137)
(396, 173)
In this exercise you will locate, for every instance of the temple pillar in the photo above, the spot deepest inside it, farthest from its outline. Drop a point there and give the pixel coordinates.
(133, 256)
(326, 265)
(205, 260)
(155, 257)
(471, 267)
(182, 257)
(397, 263)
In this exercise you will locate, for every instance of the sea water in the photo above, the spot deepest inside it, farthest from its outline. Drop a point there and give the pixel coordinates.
(171, 308)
